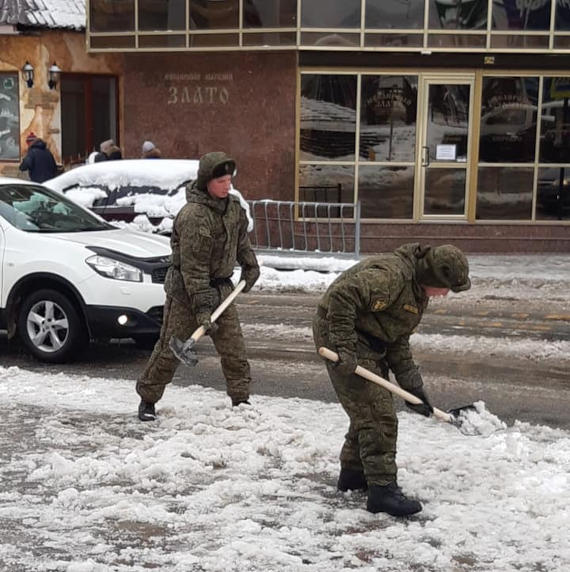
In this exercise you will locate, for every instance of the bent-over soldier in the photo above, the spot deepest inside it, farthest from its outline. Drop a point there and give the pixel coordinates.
(367, 316)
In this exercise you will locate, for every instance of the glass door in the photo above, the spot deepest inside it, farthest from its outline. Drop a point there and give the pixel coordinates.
(444, 145)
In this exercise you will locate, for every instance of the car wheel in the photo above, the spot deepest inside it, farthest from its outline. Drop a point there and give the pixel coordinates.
(146, 341)
(50, 326)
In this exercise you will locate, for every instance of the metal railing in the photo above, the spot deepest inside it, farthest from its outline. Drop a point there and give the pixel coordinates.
(305, 227)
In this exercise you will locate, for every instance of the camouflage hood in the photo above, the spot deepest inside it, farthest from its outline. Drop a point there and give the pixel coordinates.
(214, 165)
(439, 266)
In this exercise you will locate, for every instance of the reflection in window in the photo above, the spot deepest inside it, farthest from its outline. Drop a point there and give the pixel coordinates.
(328, 117)
(508, 119)
(555, 121)
(458, 14)
(395, 14)
(516, 15)
(388, 118)
(386, 192)
(562, 15)
(169, 15)
(117, 16)
(207, 15)
(445, 192)
(9, 117)
(504, 193)
(336, 14)
(269, 13)
(448, 119)
(553, 194)
(326, 183)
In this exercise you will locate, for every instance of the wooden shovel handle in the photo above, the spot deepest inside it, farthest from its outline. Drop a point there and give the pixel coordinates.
(396, 389)
(200, 331)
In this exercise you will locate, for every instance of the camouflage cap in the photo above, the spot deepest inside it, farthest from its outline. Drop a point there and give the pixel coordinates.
(445, 267)
(213, 165)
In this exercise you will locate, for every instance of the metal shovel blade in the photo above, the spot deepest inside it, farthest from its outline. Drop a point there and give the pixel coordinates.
(459, 410)
(184, 351)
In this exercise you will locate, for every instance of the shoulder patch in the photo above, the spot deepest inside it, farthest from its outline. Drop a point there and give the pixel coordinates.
(204, 231)
(411, 309)
(378, 305)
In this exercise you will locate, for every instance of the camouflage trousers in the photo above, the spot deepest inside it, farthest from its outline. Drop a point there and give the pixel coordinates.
(370, 443)
(228, 340)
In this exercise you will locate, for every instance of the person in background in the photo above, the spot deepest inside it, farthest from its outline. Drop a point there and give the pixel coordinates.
(105, 150)
(209, 238)
(150, 151)
(39, 161)
(114, 153)
(367, 316)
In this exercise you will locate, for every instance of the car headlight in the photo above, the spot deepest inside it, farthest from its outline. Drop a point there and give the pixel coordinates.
(115, 269)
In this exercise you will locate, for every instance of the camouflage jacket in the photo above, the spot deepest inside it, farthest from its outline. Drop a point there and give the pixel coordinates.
(373, 308)
(209, 237)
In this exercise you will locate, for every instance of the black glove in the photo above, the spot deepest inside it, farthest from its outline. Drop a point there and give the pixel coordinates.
(205, 320)
(424, 408)
(250, 274)
(347, 362)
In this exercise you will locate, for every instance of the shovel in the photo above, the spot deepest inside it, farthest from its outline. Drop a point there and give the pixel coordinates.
(452, 416)
(184, 351)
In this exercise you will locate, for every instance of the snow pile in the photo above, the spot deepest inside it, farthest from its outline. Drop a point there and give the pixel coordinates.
(214, 488)
(479, 421)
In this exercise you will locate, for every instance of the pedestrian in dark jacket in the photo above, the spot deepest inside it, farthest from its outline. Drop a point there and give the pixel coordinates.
(105, 149)
(367, 316)
(209, 237)
(38, 160)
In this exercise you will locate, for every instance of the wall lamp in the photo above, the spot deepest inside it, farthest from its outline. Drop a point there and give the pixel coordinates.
(53, 75)
(28, 72)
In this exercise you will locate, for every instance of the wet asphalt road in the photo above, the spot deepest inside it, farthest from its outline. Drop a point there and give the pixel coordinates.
(284, 362)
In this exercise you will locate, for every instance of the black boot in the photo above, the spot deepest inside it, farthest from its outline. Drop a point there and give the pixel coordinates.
(146, 411)
(391, 499)
(236, 402)
(351, 480)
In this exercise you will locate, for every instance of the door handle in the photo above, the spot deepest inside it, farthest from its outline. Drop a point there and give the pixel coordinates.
(425, 156)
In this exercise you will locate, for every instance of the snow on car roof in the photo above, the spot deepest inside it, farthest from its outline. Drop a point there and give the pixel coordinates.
(163, 173)
(83, 185)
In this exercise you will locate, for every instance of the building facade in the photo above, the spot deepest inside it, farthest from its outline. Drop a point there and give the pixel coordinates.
(51, 86)
(447, 119)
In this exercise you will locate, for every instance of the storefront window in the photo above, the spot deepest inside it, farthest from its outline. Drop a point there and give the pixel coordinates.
(458, 14)
(328, 117)
(9, 117)
(326, 183)
(562, 15)
(555, 121)
(155, 16)
(504, 193)
(553, 194)
(508, 119)
(269, 13)
(386, 192)
(388, 112)
(395, 14)
(516, 15)
(330, 14)
(209, 15)
(117, 16)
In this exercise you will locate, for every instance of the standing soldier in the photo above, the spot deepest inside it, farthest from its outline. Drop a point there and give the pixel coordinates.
(367, 316)
(209, 238)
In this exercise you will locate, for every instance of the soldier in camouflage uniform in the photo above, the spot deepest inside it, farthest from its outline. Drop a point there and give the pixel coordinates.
(209, 238)
(367, 316)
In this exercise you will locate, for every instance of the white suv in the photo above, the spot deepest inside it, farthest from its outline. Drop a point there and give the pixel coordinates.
(67, 276)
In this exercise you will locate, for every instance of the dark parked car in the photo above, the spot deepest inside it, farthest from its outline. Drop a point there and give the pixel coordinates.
(124, 190)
